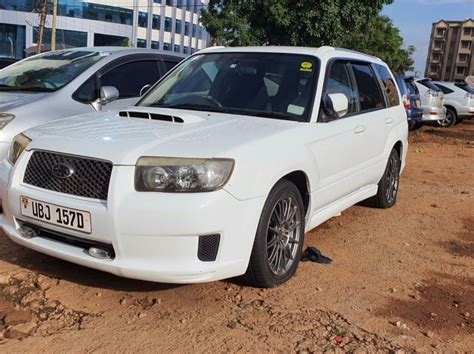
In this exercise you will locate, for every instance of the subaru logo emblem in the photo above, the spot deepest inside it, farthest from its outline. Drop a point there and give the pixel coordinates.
(62, 170)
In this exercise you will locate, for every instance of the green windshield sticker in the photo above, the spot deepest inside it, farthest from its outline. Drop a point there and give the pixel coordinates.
(306, 66)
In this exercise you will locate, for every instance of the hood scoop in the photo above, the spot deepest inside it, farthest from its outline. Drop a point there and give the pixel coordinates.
(153, 116)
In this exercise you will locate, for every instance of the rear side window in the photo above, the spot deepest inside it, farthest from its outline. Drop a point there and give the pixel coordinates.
(130, 78)
(444, 89)
(412, 87)
(369, 91)
(169, 65)
(340, 80)
(464, 86)
(389, 85)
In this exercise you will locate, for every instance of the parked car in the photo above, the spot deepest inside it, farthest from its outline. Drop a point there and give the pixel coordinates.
(68, 82)
(411, 100)
(4, 62)
(459, 102)
(432, 102)
(217, 171)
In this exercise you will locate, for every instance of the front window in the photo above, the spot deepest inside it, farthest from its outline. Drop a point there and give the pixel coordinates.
(49, 71)
(279, 86)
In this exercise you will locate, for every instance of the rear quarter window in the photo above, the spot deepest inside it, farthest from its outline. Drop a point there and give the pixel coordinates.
(444, 89)
(389, 86)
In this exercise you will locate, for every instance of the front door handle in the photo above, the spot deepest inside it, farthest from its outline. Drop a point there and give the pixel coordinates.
(389, 121)
(359, 129)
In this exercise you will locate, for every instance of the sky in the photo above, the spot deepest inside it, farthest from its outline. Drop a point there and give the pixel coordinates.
(415, 17)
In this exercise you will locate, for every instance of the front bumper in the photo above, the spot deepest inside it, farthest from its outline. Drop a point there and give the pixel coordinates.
(433, 114)
(154, 235)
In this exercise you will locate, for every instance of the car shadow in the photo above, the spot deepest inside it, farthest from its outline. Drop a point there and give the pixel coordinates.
(56, 268)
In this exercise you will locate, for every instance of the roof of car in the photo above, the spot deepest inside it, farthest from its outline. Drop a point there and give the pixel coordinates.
(314, 51)
(128, 50)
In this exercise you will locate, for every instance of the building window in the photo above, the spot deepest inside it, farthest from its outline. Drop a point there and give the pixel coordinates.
(166, 46)
(141, 43)
(177, 28)
(200, 30)
(466, 44)
(193, 50)
(168, 24)
(155, 24)
(460, 70)
(434, 69)
(64, 38)
(155, 45)
(91, 11)
(194, 30)
(177, 48)
(179, 4)
(467, 31)
(448, 70)
(185, 50)
(440, 31)
(12, 41)
(104, 40)
(463, 58)
(436, 56)
(438, 44)
(142, 19)
(189, 5)
(186, 28)
(169, 3)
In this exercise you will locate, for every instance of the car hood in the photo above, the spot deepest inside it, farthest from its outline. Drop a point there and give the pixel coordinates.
(12, 100)
(123, 140)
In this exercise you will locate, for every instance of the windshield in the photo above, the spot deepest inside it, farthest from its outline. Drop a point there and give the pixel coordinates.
(270, 85)
(47, 72)
(464, 86)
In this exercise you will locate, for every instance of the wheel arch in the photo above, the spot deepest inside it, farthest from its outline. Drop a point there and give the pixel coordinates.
(300, 179)
(448, 106)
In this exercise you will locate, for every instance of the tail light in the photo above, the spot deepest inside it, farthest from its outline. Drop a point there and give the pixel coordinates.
(469, 95)
(406, 102)
(433, 93)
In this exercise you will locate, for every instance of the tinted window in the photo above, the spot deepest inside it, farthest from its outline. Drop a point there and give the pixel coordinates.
(340, 81)
(412, 87)
(427, 83)
(369, 91)
(389, 85)
(465, 87)
(88, 92)
(169, 65)
(273, 85)
(131, 77)
(444, 89)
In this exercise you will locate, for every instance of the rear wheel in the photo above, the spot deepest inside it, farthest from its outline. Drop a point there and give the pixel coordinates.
(386, 196)
(279, 239)
(450, 119)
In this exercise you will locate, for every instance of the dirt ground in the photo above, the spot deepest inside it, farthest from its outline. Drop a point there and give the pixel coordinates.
(401, 278)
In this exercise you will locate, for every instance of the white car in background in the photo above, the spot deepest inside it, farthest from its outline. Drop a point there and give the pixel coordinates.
(432, 102)
(218, 171)
(458, 100)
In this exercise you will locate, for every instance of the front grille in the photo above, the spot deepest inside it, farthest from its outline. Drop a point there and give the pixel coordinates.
(90, 177)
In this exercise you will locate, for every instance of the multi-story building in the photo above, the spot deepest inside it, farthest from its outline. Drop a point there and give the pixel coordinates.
(450, 54)
(159, 24)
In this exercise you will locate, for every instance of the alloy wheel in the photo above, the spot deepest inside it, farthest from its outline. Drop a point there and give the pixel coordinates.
(283, 235)
(391, 179)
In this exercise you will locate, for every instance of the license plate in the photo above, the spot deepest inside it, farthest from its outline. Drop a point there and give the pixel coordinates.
(418, 103)
(57, 215)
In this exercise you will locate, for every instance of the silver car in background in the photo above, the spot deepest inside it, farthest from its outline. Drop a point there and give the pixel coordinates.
(432, 102)
(458, 100)
(69, 82)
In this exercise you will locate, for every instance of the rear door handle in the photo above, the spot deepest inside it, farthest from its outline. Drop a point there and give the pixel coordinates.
(359, 129)
(389, 120)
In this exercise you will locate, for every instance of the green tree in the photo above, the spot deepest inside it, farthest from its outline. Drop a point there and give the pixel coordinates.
(381, 38)
(354, 24)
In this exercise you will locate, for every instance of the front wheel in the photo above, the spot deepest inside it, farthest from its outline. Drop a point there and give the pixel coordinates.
(279, 239)
(386, 196)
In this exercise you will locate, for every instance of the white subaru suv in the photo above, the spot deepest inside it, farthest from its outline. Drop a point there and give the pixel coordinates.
(218, 171)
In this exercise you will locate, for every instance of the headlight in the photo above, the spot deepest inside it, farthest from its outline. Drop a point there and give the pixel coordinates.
(5, 118)
(165, 174)
(19, 143)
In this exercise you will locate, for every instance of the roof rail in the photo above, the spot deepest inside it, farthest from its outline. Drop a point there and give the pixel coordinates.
(356, 52)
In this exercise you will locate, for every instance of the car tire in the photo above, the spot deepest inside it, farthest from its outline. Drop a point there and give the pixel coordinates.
(279, 238)
(386, 196)
(450, 119)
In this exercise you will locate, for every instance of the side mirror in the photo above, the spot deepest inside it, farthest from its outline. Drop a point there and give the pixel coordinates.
(107, 95)
(145, 89)
(339, 103)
